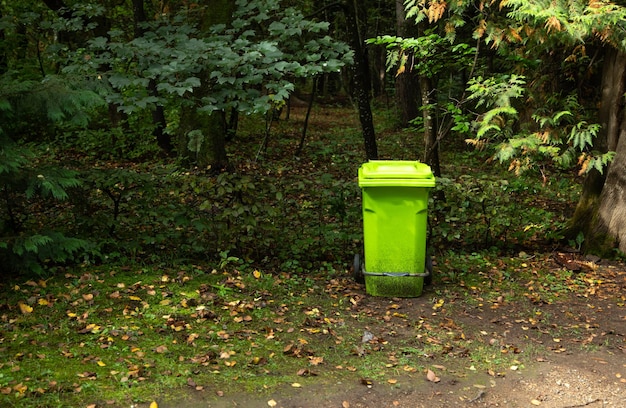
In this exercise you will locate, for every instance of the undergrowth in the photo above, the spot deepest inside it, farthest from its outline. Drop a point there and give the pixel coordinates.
(274, 209)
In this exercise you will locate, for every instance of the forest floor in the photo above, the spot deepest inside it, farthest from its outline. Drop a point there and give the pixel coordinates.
(571, 353)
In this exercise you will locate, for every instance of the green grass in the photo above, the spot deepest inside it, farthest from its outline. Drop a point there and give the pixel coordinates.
(134, 334)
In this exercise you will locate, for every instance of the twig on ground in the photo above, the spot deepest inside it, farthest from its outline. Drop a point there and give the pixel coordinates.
(583, 405)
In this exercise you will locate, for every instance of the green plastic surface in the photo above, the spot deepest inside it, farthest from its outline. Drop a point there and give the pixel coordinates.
(394, 225)
(396, 173)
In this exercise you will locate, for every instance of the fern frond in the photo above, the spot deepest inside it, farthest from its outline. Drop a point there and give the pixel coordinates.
(53, 182)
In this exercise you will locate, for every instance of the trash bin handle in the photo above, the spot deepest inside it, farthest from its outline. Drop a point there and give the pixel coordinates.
(397, 274)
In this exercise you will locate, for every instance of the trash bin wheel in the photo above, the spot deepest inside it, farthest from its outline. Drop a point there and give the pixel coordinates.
(428, 280)
(357, 269)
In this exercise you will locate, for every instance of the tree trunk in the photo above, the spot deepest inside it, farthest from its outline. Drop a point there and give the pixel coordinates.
(601, 211)
(361, 84)
(407, 98)
(431, 144)
(163, 139)
(212, 151)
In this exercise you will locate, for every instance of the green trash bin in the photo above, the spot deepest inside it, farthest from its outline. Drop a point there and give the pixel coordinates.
(395, 215)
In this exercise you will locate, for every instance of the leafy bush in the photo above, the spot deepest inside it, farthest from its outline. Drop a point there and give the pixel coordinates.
(484, 212)
(31, 189)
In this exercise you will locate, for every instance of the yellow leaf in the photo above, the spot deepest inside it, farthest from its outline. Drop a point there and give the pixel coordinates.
(439, 304)
(42, 302)
(137, 298)
(153, 404)
(256, 274)
(401, 70)
(20, 388)
(24, 308)
(271, 403)
(101, 363)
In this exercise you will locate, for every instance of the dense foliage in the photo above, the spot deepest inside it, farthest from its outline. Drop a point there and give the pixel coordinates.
(95, 100)
(89, 86)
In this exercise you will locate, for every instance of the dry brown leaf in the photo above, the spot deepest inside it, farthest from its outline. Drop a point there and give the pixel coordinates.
(161, 349)
(432, 377)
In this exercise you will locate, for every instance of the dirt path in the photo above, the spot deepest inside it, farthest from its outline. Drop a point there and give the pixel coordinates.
(560, 381)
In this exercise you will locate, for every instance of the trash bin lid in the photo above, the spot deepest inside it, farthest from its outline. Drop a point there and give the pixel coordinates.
(395, 173)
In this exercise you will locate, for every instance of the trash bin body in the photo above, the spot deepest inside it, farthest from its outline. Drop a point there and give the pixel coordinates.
(395, 214)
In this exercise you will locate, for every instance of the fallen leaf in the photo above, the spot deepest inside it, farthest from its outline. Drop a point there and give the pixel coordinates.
(368, 382)
(296, 385)
(392, 381)
(430, 376)
(20, 388)
(256, 274)
(316, 360)
(88, 375)
(438, 304)
(345, 404)
(24, 308)
(161, 349)
(271, 403)
(153, 404)
(535, 402)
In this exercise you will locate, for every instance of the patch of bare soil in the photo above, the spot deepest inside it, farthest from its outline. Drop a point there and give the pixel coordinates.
(561, 381)
(573, 354)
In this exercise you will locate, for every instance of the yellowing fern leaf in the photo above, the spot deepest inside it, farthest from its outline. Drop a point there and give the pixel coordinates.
(553, 23)
(436, 10)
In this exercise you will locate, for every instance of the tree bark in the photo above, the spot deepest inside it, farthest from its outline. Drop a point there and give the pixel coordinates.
(431, 144)
(609, 228)
(163, 139)
(601, 211)
(212, 154)
(4, 61)
(407, 95)
(355, 22)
